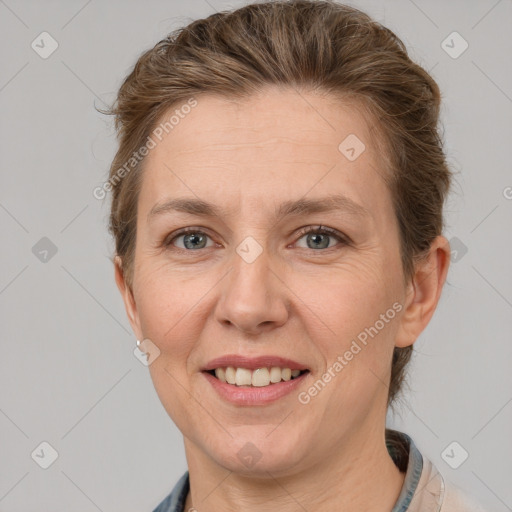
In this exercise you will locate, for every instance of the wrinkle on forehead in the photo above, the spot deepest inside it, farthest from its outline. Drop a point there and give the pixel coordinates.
(312, 119)
(249, 144)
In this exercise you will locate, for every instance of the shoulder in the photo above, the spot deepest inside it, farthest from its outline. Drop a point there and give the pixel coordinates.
(455, 500)
(432, 491)
(175, 501)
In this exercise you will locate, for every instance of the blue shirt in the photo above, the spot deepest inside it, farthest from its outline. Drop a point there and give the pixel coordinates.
(420, 475)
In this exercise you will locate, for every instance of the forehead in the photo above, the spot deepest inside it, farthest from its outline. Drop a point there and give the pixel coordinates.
(318, 121)
(280, 142)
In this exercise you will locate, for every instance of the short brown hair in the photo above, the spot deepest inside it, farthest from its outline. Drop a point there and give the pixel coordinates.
(314, 45)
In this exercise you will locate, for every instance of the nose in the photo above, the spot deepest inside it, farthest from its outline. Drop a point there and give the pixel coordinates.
(253, 296)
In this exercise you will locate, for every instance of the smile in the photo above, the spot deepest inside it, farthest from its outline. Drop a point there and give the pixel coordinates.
(250, 395)
(260, 377)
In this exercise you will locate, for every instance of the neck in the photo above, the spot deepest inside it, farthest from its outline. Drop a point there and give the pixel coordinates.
(359, 475)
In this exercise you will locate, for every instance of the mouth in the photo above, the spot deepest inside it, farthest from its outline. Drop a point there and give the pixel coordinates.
(260, 386)
(258, 377)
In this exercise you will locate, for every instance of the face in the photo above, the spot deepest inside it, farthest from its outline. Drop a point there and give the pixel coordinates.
(249, 280)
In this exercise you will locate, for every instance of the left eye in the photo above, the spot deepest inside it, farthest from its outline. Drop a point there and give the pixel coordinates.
(318, 237)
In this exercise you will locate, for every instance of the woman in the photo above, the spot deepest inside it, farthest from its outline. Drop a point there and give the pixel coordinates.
(277, 213)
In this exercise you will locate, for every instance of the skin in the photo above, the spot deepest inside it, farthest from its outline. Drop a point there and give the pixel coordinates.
(295, 301)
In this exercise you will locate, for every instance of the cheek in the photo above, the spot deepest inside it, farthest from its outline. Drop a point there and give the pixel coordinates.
(353, 320)
(348, 298)
(168, 306)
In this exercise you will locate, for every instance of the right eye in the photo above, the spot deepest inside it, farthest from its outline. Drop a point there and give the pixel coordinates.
(193, 239)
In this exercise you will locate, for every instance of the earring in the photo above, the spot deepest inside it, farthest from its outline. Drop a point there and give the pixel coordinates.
(138, 343)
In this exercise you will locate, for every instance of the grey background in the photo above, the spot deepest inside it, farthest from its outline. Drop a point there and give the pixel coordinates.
(68, 375)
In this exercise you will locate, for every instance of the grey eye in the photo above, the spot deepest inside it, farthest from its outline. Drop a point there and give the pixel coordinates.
(195, 240)
(318, 240)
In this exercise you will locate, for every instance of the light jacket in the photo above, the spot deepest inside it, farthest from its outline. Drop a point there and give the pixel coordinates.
(424, 489)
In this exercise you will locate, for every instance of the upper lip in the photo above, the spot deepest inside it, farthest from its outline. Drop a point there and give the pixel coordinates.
(252, 363)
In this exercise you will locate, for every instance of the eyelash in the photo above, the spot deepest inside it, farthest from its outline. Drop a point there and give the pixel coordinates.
(320, 230)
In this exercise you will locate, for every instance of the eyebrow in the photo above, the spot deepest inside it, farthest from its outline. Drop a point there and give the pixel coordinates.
(200, 208)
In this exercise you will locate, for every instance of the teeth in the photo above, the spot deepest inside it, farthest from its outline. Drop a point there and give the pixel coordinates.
(258, 378)
(243, 377)
(275, 374)
(220, 373)
(230, 375)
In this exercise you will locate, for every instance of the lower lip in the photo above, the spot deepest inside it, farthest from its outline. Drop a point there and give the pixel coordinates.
(241, 395)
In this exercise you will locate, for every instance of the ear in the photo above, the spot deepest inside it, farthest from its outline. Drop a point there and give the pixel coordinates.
(423, 292)
(128, 298)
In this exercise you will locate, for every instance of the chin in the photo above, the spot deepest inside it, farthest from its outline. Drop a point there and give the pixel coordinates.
(258, 455)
